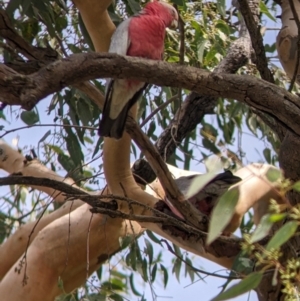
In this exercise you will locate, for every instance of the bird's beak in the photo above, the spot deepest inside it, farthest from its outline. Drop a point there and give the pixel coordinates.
(174, 24)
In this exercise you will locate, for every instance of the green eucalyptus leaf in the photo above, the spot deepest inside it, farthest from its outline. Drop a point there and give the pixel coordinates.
(144, 273)
(97, 147)
(267, 154)
(273, 174)
(3, 227)
(132, 285)
(66, 162)
(153, 237)
(85, 33)
(25, 4)
(99, 272)
(244, 286)
(165, 274)
(177, 268)
(153, 272)
(73, 145)
(55, 148)
(200, 50)
(62, 4)
(242, 265)
(84, 111)
(277, 217)
(222, 214)
(210, 146)
(296, 186)
(47, 134)
(134, 5)
(198, 183)
(149, 250)
(30, 117)
(282, 235)
(262, 229)
(12, 6)
(221, 5)
(116, 297)
(263, 9)
(178, 2)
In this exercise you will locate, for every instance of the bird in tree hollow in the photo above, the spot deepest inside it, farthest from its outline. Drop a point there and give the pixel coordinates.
(141, 36)
(205, 198)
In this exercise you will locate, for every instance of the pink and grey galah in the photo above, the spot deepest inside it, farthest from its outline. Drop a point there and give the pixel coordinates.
(143, 36)
(206, 197)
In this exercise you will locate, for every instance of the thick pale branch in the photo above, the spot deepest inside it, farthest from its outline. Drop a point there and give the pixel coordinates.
(66, 249)
(264, 96)
(51, 227)
(99, 203)
(97, 22)
(74, 274)
(15, 163)
(17, 243)
(59, 242)
(253, 176)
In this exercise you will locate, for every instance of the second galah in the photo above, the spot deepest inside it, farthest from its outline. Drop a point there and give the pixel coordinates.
(206, 197)
(142, 36)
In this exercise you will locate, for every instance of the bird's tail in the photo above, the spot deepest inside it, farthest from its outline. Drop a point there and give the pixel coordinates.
(228, 177)
(114, 128)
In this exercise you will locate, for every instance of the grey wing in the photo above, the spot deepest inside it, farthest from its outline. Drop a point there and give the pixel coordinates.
(184, 183)
(120, 39)
(218, 185)
(120, 42)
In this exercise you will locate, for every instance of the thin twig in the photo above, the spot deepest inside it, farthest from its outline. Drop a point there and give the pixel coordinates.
(88, 247)
(195, 269)
(48, 124)
(181, 25)
(257, 40)
(182, 40)
(162, 106)
(94, 199)
(100, 206)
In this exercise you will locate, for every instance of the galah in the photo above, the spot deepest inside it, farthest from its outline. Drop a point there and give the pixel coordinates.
(287, 39)
(141, 36)
(205, 199)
